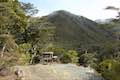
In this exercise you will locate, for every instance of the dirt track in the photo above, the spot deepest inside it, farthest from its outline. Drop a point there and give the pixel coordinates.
(58, 72)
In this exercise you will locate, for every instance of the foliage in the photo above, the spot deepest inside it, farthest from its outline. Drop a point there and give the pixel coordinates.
(12, 19)
(23, 50)
(29, 8)
(13, 54)
(39, 33)
(12, 24)
(69, 57)
(23, 38)
(88, 59)
(110, 69)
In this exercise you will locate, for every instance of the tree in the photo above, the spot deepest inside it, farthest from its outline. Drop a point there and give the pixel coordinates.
(12, 18)
(13, 22)
(29, 8)
(8, 54)
(70, 56)
(40, 33)
(88, 59)
(24, 50)
(110, 69)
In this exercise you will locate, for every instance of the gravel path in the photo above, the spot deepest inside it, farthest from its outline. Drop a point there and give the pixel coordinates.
(58, 72)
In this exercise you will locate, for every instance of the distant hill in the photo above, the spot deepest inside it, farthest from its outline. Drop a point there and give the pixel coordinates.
(104, 21)
(73, 30)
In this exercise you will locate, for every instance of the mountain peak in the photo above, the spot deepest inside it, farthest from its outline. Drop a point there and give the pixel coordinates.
(76, 29)
(60, 12)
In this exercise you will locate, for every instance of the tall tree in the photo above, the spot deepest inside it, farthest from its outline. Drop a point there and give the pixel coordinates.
(29, 8)
(12, 18)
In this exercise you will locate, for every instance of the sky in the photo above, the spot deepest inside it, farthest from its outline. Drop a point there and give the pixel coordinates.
(92, 9)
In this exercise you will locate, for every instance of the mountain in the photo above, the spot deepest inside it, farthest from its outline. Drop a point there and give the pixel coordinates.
(104, 21)
(74, 30)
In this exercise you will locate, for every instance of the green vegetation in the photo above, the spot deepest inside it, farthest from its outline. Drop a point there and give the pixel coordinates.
(72, 30)
(88, 59)
(74, 39)
(69, 57)
(110, 69)
(13, 22)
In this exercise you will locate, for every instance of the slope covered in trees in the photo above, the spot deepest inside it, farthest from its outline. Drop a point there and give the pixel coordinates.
(74, 39)
(73, 30)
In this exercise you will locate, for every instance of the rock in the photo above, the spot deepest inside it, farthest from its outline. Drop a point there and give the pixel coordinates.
(19, 73)
(4, 71)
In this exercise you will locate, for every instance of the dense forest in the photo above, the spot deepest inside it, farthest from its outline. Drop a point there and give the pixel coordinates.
(74, 39)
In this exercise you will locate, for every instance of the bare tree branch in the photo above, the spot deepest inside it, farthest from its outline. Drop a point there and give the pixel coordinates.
(3, 50)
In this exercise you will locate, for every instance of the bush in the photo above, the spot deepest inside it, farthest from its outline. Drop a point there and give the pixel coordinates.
(23, 50)
(88, 59)
(110, 69)
(69, 57)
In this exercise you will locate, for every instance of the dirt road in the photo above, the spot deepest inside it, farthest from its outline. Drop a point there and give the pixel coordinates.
(58, 72)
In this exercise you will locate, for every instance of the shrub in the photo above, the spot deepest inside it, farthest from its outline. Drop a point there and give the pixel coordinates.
(69, 57)
(110, 69)
(23, 50)
(88, 59)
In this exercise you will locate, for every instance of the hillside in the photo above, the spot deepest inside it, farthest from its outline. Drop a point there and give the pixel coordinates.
(73, 30)
(61, 40)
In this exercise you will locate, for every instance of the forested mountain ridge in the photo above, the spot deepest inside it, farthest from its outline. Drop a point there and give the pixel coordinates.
(76, 29)
(69, 31)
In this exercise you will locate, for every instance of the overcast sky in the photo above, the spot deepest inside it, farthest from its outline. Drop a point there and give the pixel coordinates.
(92, 9)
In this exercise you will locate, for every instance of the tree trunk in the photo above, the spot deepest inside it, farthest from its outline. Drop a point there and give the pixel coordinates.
(31, 61)
(3, 50)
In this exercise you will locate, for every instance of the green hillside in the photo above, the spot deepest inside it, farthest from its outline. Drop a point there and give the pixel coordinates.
(73, 30)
